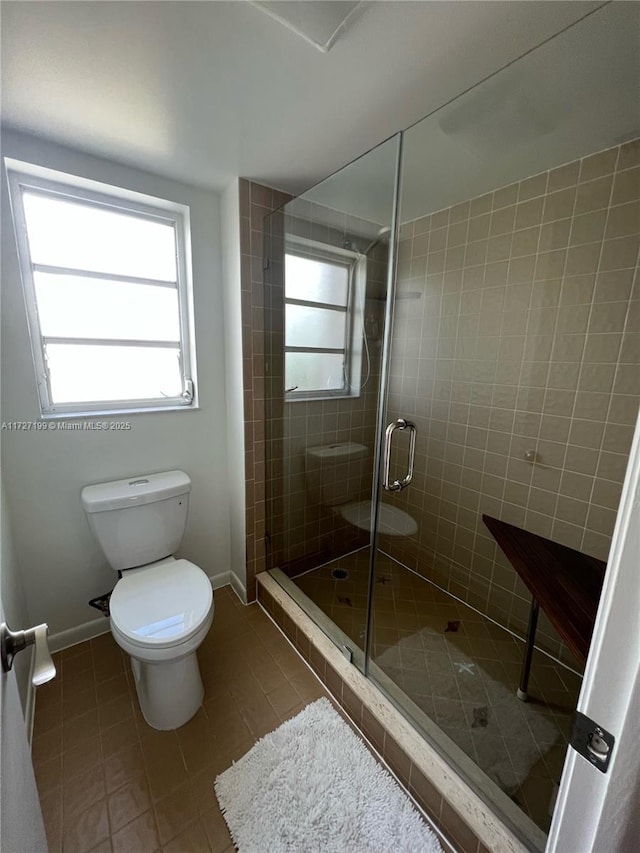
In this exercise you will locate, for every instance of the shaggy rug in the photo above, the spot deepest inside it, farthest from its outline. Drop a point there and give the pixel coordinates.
(312, 785)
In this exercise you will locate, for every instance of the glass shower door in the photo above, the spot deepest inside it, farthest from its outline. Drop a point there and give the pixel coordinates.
(327, 281)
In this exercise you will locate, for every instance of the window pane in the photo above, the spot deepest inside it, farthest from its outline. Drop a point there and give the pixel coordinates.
(314, 371)
(316, 281)
(82, 236)
(82, 373)
(74, 307)
(315, 327)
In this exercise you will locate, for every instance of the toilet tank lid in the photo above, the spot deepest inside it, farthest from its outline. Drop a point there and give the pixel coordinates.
(135, 491)
(337, 451)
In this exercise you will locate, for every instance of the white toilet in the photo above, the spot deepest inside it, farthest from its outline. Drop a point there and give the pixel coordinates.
(161, 608)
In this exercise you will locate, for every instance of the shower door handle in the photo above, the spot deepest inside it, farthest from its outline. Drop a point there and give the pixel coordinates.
(398, 485)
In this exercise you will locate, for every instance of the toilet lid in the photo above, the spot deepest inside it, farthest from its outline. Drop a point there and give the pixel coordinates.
(161, 605)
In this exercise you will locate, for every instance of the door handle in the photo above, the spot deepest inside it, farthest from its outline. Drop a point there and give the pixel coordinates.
(12, 642)
(398, 485)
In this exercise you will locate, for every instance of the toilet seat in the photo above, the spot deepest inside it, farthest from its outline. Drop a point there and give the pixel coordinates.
(161, 606)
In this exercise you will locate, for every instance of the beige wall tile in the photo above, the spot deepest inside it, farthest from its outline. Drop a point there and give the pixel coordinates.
(597, 165)
(629, 155)
(619, 254)
(563, 176)
(593, 195)
(626, 186)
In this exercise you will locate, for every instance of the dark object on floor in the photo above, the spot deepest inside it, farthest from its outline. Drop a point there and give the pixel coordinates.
(480, 717)
(343, 599)
(452, 626)
(383, 580)
(340, 574)
(101, 603)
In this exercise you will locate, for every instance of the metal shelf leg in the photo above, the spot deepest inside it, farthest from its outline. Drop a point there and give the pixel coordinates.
(521, 692)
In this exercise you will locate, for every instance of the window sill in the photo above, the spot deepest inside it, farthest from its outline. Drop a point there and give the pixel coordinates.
(323, 398)
(112, 413)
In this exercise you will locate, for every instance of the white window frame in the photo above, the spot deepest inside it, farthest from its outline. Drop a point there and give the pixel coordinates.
(356, 284)
(26, 176)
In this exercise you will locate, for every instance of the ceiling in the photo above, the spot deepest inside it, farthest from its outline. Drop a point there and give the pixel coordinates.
(205, 91)
(574, 95)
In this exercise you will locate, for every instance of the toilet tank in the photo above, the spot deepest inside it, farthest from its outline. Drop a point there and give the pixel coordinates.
(333, 472)
(138, 520)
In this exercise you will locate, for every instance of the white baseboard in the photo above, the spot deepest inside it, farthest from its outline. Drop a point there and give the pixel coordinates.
(72, 636)
(219, 580)
(238, 587)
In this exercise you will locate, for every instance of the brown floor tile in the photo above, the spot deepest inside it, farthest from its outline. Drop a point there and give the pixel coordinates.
(81, 792)
(87, 829)
(123, 767)
(118, 737)
(141, 836)
(103, 847)
(174, 812)
(51, 805)
(198, 757)
(115, 710)
(81, 758)
(166, 776)
(202, 786)
(46, 745)
(127, 803)
(216, 830)
(284, 698)
(80, 729)
(48, 775)
(260, 717)
(159, 746)
(193, 839)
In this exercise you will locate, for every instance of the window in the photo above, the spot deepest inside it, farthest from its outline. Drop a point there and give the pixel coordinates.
(320, 357)
(105, 282)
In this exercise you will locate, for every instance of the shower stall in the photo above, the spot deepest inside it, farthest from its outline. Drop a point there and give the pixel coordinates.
(452, 335)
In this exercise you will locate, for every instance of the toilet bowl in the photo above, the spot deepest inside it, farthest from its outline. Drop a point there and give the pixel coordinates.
(161, 609)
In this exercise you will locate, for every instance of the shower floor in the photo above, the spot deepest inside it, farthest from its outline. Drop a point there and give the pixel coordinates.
(462, 670)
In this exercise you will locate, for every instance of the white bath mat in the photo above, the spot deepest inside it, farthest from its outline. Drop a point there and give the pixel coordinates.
(312, 785)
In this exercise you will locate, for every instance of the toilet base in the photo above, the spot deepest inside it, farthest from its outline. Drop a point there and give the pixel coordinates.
(169, 692)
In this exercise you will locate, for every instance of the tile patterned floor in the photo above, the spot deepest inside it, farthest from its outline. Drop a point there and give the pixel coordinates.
(461, 670)
(108, 782)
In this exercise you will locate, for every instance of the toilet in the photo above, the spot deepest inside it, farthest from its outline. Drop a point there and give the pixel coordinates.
(161, 607)
(333, 477)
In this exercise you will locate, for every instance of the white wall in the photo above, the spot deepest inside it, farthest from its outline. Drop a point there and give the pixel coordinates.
(62, 566)
(230, 214)
(16, 612)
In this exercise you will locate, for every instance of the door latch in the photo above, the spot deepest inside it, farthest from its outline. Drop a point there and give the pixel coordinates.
(592, 741)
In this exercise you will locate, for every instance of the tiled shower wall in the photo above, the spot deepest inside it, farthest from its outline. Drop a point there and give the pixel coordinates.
(256, 201)
(517, 329)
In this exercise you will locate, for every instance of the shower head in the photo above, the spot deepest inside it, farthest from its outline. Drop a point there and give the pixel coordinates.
(382, 232)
